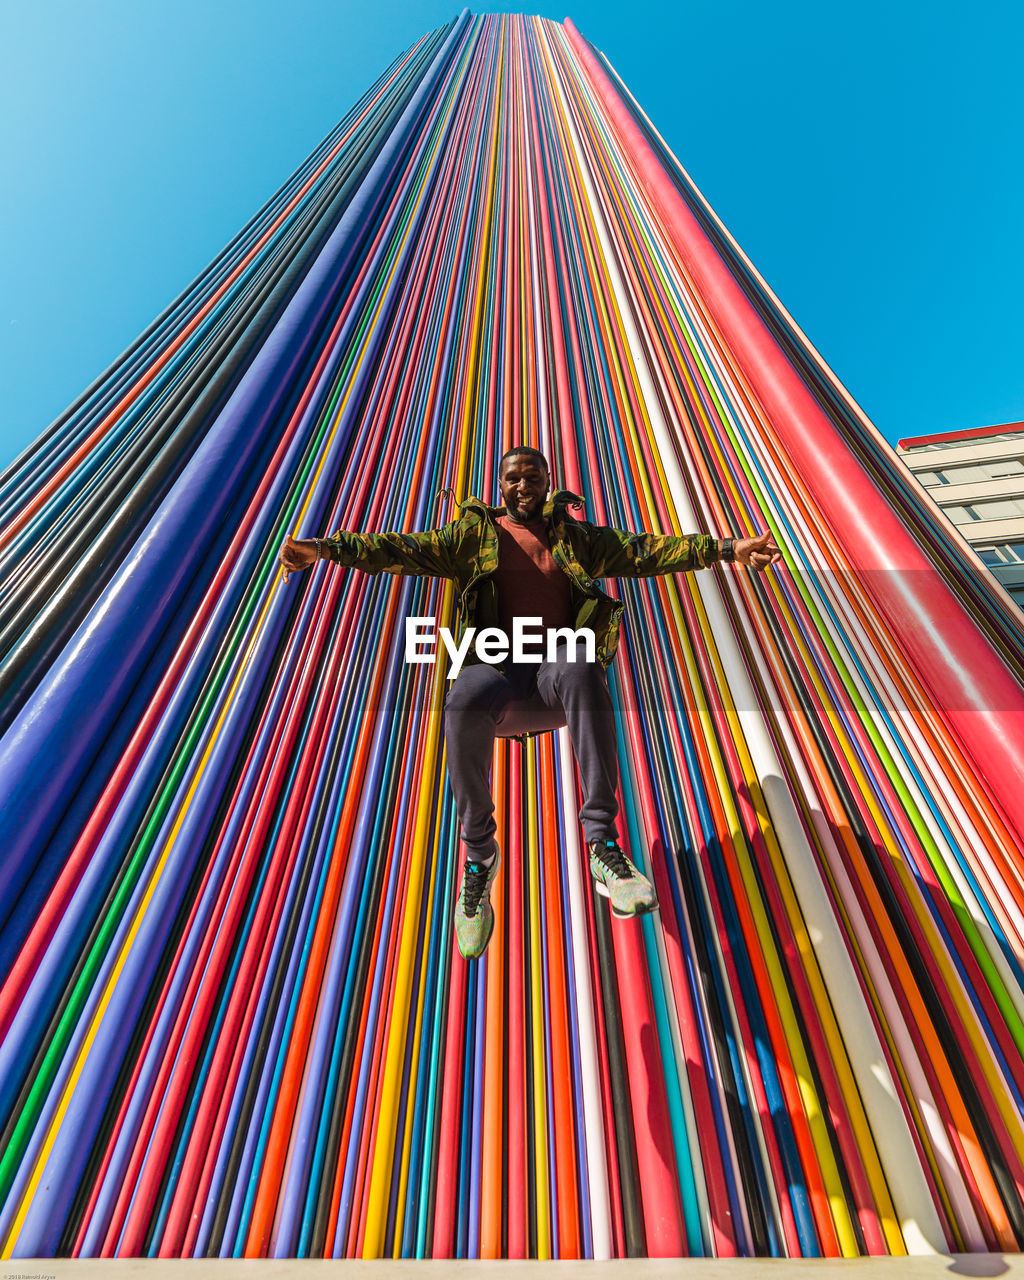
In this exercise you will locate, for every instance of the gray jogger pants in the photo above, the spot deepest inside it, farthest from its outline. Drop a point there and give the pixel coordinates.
(485, 702)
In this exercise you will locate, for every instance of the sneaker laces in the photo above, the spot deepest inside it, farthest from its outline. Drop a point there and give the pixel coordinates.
(474, 883)
(614, 859)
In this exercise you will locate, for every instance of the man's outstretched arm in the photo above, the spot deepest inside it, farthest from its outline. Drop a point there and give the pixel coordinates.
(614, 553)
(427, 554)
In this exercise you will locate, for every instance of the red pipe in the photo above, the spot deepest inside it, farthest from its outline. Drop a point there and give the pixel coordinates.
(980, 699)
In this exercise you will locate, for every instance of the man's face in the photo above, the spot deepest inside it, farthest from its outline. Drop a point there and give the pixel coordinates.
(524, 484)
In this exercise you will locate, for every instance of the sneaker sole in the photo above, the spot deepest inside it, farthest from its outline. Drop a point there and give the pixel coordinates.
(642, 910)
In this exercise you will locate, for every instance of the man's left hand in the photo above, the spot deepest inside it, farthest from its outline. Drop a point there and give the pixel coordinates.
(757, 553)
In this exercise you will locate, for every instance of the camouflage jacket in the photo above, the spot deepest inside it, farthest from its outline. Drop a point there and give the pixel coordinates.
(466, 550)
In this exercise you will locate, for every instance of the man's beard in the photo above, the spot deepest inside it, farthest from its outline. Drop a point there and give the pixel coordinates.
(525, 511)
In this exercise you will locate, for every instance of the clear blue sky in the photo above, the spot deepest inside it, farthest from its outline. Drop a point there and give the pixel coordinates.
(866, 156)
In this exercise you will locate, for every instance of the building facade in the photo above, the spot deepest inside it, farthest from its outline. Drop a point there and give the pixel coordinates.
(976, 479)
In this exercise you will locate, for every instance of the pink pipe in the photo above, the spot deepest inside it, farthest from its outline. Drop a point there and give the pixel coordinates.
(968, 681)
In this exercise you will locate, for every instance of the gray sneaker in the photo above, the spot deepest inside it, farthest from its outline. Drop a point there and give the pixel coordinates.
(618, 880)
(474, 917)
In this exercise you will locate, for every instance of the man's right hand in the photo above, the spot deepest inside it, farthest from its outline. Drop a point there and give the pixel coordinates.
(296, 554)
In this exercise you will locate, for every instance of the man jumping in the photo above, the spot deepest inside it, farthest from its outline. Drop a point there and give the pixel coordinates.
(531, 559)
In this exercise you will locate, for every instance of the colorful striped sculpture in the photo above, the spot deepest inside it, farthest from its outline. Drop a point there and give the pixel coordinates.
(233, 1019)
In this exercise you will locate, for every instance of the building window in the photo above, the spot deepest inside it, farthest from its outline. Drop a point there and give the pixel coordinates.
(1002, 553)
(997, 469)
(961, 515)
(990, 509)
(1001, 468)
(998, 508)
(963, 475)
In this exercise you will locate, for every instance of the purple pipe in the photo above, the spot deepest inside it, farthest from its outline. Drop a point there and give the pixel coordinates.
(294, 1187)
(20, 1041)
(50, 856)
(127, 1137)
(80, 697)
(65, 714)
(233, 1242)
(47, 983)
(108, 1049)
(353, 402)
(295, 1182)
(321, 855)
(362, 843)
(43, 1224)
